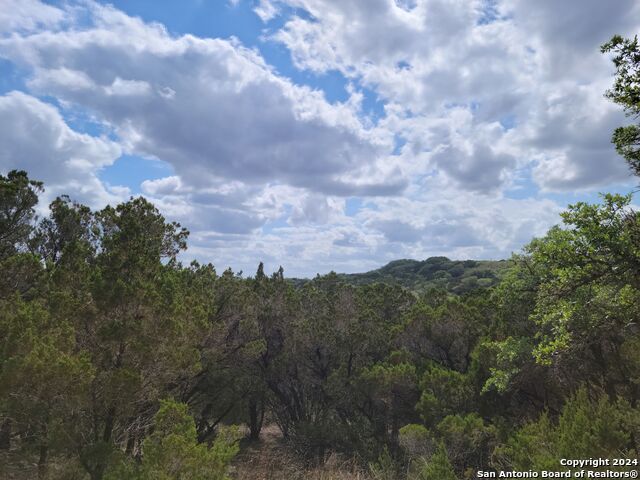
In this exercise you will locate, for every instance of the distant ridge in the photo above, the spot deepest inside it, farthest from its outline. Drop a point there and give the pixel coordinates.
(455, 276)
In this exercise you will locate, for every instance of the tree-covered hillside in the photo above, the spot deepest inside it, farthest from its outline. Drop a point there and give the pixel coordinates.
(455, 276)
(439, 273)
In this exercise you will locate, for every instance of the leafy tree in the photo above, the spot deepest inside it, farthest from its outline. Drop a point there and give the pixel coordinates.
(70, 225)
(416, 441)
(385, 468)
(438, 467)
(43, 380)
(626, 92)
(589, 294)
(444, 392)
(229, 384)
(442, 330)
(585, 429)
(468, 439)
(136, 336)
(18, 197)
(172, 451)
(393, 387)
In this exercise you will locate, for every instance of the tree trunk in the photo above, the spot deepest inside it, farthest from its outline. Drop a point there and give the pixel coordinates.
(256, 417)
(42, 461)
(131, 445)
(5, 435)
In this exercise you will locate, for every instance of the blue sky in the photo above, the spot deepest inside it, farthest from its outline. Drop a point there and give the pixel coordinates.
(319, 134)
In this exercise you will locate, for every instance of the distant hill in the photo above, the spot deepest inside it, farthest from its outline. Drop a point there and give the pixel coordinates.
(456, 276)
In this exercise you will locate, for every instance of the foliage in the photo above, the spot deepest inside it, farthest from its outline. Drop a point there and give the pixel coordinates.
(172, 450)
(444, 392)
(18, 197)
(385, 468)
(626, 92)
(437, 467)
(586, 428)
(468, 439)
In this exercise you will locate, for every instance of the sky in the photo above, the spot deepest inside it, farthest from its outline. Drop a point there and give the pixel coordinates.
(319, 134)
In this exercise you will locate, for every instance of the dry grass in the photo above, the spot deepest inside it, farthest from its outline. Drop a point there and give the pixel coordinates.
(271, 459)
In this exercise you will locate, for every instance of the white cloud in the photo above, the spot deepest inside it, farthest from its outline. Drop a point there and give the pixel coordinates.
(266, 10)
(35, 138)
(477, 101)
(211, 108)
(510, 63)
(162, 186)
(28, 15)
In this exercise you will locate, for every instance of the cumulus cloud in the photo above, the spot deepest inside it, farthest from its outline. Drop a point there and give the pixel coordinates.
(571, 131)
(567, 34)
(474, 99)
(28, 15)
(461, 225)
(479, 169)
(316, 209)
(211, 108)
(399, 231)
(35, 137)
(507, 61)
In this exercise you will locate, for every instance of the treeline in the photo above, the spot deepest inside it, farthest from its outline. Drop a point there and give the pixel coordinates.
(119, 362)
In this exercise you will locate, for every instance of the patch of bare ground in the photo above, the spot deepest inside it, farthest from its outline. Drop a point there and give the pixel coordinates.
(271, 458)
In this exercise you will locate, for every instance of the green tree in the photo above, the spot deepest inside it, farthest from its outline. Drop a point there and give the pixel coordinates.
(21, 271)
(468, 439)
(137, 337)
(438, 467)
(444, 392)
(18, 197)
(44, 381)
(70, 225)
(626, 92)
(230, 384)
(585, 429)
(589, 295)
(172, 451)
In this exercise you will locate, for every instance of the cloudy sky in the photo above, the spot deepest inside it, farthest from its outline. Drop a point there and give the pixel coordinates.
(319, 134)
